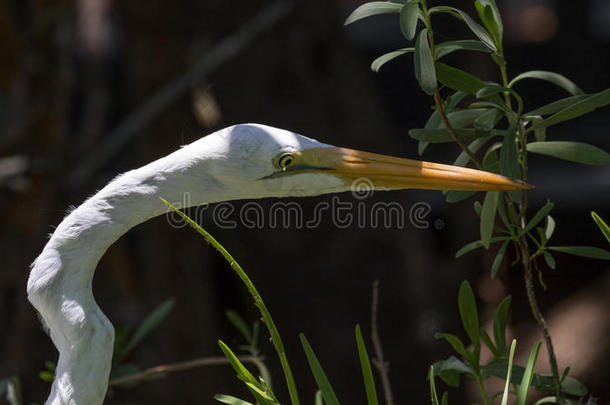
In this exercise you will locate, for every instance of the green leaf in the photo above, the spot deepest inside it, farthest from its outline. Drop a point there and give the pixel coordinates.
(446, 48)
(238, 322)
(549, 259)
(498, 259)
(500, 321)
(454, 196)
(455, 342)
(47, 376)
(433, 393)
(475, 27)
(509, 163)
(319, 399)
(572, 151)
(577, 109)
(454, 364)
(583, 251)
(464, 118)
(468, 313)
(424, 64)
(367, 372)
(509, 372)
(227, 399)
(527, 376)
(242, 372)
(488, 217)
(408, 19)
(457, 79)
(373, 8)
(488, 120)
(489, 343)
(602, 225)
(540, 215)
(556, 105)
(318, 373)
(477, 244)
(150, 323)
(497, 27)
(552, 77)
(442, 135)
(383, 59)
(572, 386)
(474, 146)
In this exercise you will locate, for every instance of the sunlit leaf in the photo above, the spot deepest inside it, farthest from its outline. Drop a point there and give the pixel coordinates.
(603, 226)
(367, 372)
(577, 109)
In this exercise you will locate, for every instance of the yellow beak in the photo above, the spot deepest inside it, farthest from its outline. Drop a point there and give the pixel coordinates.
(387, 172)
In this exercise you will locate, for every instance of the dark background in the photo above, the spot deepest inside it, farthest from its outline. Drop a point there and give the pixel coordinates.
(72, 71)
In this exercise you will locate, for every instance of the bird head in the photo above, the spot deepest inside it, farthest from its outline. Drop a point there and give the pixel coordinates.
(262, 161)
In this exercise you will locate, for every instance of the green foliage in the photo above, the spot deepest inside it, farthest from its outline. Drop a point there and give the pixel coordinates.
(468, 365)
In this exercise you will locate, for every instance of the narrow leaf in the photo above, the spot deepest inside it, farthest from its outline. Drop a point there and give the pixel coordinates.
(424, 64)
(540, 215)
(457, 79)
(367, 372)
(445, 48)
(558, 105)
(408, 19)
(468, 313)
(509, 372)
(498, 259)
(442, 135)
(373, 8)
(583, 251)
(238, 322)
(527, 376)
(477, 244)
(433, 393)
(582, 107)
(330, 398)
(455, 342)
(488, 217)
(150, 323)
(549, 259)
(228, 399)
(500, 321)
(552, 77)
(380, 61)
(572, 151)
(602, 225)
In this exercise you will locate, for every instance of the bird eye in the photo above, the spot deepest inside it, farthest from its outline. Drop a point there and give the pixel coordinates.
(285, 160)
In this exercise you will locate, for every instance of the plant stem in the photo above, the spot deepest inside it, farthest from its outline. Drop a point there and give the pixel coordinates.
(379, 361)
(482, 390)
(258, 301)
(440, 106)
(441, 110)
(526, 260)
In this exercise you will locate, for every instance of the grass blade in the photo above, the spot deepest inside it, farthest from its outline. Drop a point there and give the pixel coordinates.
(330, 398)
(527, 376)
(367, 372)
(509, 372)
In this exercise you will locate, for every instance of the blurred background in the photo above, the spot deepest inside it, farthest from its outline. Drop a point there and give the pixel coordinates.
(74, 77)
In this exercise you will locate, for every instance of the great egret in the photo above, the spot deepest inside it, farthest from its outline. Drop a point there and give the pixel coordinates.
(240, 162)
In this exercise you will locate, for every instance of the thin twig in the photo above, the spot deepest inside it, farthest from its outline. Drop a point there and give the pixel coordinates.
(441, 110)
(181, 366)
(378, 360)
(210, 61)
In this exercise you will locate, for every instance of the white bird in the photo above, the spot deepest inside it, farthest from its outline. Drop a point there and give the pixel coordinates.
(246, 161)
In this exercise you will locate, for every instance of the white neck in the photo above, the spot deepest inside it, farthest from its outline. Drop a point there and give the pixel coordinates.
(60, 282)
